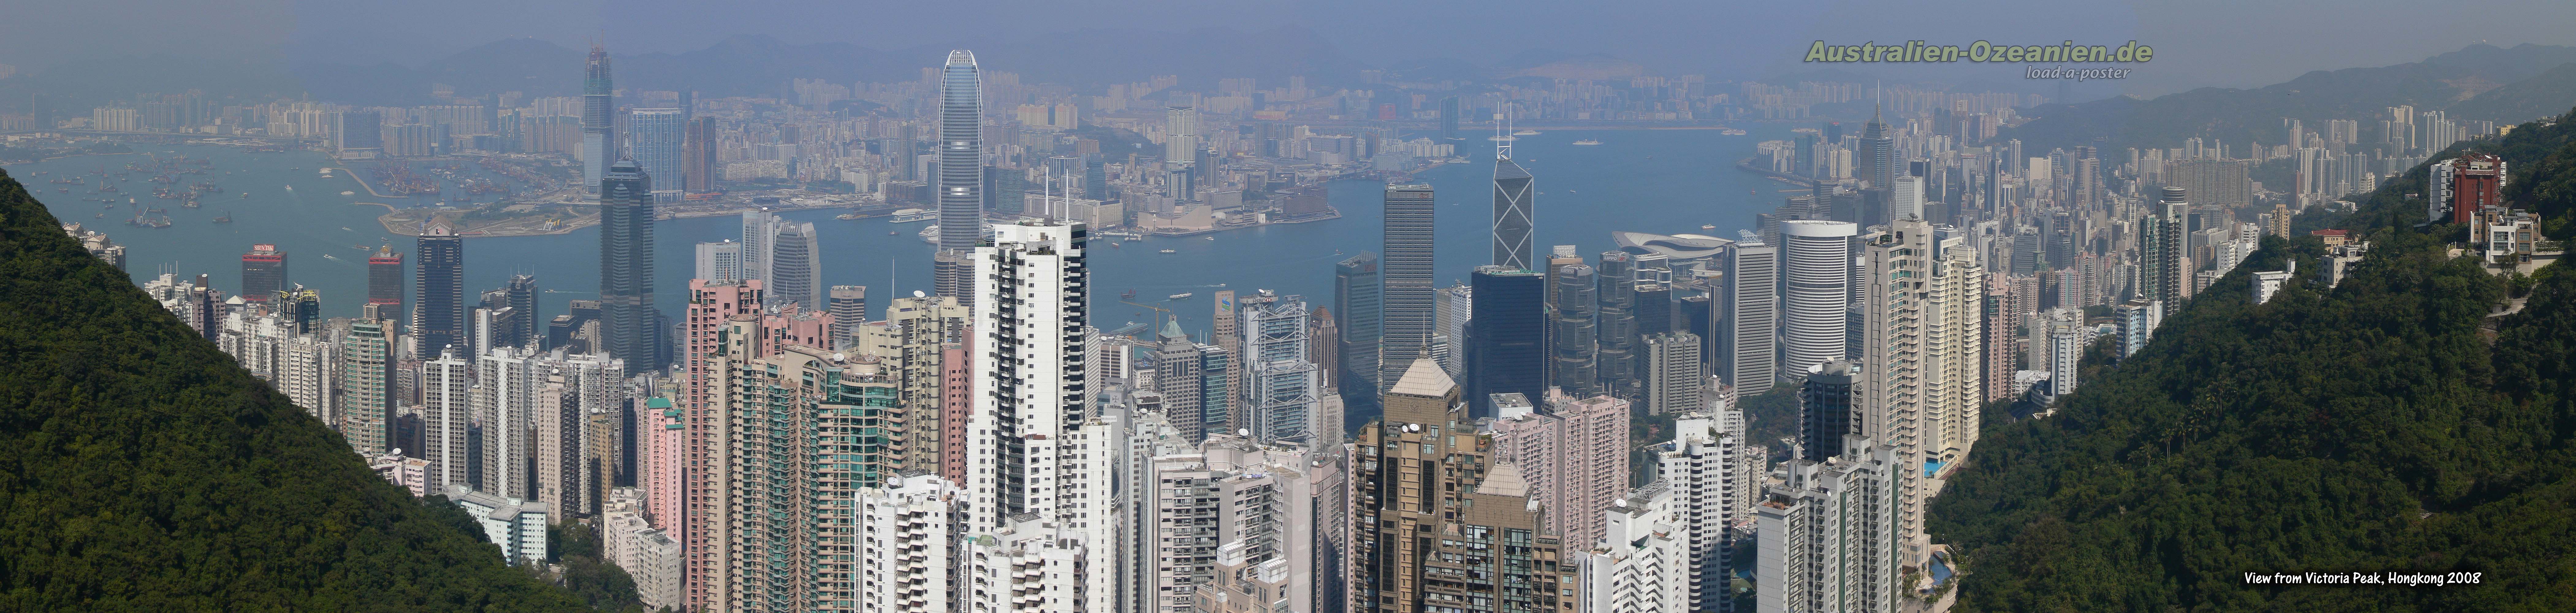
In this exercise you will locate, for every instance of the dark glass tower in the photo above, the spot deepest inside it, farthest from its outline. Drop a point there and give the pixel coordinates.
(626, 319)
(598, 130)
(1512, 205)
(521, 294)
(1618, 324)
(961, 176)
(1574, 334)
(1356, 315)
(1404, 273)
(384, 279)
(1506, 327)
(438, 290)
(1825, 409)
(263, 273)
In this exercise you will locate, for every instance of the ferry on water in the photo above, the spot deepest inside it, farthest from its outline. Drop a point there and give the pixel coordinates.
(1584, 142)
(1182, 295)
(913, 215)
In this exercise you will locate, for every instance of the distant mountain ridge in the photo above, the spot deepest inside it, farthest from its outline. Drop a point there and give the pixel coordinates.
(2239, 116)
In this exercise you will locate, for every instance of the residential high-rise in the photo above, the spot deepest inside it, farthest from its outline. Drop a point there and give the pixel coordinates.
(914, 341)
(1180, 138)
(438, 287)
(446, 411)
(961, 175)
(1572, 334)
(1357, 311)
(1673, 378)
(1406, 280)
(1433, 508)
(1705, 466)
(1818, 263)
(1506, 336)
(1033, 451)
(1223, 331)
(385, 279)
(1748, 321)
(1954, 345)
(598, 130)
(1641, 561)
(627, 321)
(367, 386)
(2164, 255)
(1829, 533)
(698, 169)
(1514, 204)
(1894, 358)
(795, 263)
(1828, 408)
(263, 272)
(915, 521)
(710, 306)
(655, 140)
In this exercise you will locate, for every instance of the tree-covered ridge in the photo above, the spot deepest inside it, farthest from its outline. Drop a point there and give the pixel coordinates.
(140, 469)
(2388, 424)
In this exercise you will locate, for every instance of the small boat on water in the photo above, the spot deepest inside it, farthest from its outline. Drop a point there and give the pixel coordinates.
(1708, 227)
(330, 257)
(348, 193)
(1731, 132)
(227, 218)
(1182, 295)
(1526, 133)
(1129, 294)
(1585, 142)
(1170, 251)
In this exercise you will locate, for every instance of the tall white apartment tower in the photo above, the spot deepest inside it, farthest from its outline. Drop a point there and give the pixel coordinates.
(1030, 467)
(1702, 467)
(1896, 286)
(446, 409)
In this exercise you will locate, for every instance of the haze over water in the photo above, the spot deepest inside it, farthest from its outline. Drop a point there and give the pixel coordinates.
(1664, 181)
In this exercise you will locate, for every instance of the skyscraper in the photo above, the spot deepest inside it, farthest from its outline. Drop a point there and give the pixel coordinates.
(1180, 138)
(263, 272)
(1673, 379)
(1431, 503)
(1748, 323)
(1513, 206)
(1506, 336)
(1573, 332)
(367, 386)
(656, 137)
(698, 169)
(1357, 312)
(795, 267)
(1034, 435)
(446, 411)
(1827, 409)
(627, 321)
(849, 308)
(598, 130)
(719, 262)
(438, 311)
(1405, 275)
(521, 298)
(1818, 265)
(385, 279)
(1616, 293)
(961, 175)
(1281, 385)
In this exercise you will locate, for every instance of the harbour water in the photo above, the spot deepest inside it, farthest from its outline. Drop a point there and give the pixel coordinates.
(1660, 181)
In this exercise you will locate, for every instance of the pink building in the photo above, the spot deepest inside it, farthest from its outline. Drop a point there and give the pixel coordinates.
(1574, 454)
(711, 304)
(792, 326)
(659, 441)
(956, 408)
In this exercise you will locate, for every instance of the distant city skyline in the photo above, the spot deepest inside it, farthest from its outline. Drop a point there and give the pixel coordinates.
(2211, 44)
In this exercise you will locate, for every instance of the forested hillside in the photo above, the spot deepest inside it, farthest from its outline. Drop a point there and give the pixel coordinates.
(141, 470)
(2393, 423)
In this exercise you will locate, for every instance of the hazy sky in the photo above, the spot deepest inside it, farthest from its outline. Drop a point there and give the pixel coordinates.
(2198, 42)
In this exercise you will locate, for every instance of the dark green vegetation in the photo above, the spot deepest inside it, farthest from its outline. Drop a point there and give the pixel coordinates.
(2394, 423)
(597, 581)
(141, 470)
(2521, 80)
